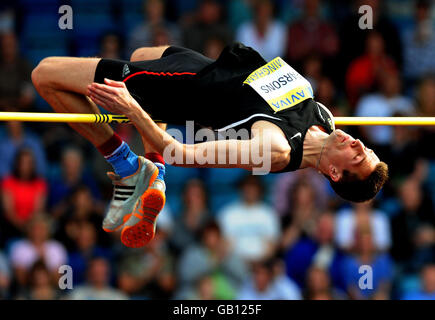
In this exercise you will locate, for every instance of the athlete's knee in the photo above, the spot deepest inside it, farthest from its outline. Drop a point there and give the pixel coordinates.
(147, 53)
(42, 74)
(136, 55)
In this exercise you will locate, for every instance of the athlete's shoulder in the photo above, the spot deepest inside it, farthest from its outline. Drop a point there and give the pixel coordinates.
(332, 123)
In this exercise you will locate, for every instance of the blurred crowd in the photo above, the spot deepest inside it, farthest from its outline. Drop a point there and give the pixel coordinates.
(224, 234)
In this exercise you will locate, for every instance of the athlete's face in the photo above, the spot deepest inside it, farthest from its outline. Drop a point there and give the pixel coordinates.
(346, 153)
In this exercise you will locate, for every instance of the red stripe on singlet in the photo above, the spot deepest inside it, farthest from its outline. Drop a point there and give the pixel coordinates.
(160, 74)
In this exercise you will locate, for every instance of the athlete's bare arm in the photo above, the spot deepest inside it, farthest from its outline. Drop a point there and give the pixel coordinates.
(267, 142)
(142, 54)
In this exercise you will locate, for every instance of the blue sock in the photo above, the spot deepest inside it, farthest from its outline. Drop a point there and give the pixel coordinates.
(162, 170)
(124, 161)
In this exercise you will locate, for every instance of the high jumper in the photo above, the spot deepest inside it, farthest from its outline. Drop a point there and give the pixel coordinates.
(238, 91)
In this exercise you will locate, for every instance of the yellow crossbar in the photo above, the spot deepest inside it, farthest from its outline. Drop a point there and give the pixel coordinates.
(112, 118)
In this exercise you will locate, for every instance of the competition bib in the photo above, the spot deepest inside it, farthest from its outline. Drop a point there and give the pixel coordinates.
(280, 85)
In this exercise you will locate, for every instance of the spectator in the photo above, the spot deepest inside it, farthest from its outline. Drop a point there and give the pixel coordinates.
(86, 248)
(285, 186)
(427, 292)
(211, 257)
(111, 46)
(404, 146)
(154, 20)
(419, 43)
(317, 250)
(426, 108)
(327, 95)
(311, 34)
(208, 22)
(387, 102)
(97, 286)
(411, 225)
(365, 70)
(7, 18)
(205, 289)
(5, 277)
(348, 220)
(365, 253)
(265, 285)
(250, 225)
(80, 207)
(354, 38)
(73, 174)
(318, 286)
(40, 284)
(18, 138)
(194, 217)
(426, 97)
(214, 46)
(151, 269)
(37, 246)
(312, 70)
(302, 214)
(23, 193)
(239, 12)
(264, 33)
(16, 90)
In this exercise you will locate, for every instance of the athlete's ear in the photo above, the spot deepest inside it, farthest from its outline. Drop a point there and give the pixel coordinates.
(334, 173)
(113, 83)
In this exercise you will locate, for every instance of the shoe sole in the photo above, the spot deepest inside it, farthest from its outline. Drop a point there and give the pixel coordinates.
(143, 232)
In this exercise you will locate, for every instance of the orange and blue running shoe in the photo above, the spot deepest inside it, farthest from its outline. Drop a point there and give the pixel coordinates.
(127, 192)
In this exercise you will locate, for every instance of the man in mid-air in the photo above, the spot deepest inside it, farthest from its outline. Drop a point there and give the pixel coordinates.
(239, 90)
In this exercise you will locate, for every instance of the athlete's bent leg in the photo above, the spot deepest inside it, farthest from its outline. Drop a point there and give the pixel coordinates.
(148, 53)
(63, 82)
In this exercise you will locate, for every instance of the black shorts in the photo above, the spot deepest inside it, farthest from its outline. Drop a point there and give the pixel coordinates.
(162, 86)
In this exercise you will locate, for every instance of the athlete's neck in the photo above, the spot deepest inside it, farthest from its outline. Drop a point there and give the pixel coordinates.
(314, 146)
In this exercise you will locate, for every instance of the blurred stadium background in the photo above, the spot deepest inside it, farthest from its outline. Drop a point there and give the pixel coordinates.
(224, 234)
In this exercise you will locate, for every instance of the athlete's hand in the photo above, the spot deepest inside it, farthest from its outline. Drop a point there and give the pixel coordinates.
(113, 96)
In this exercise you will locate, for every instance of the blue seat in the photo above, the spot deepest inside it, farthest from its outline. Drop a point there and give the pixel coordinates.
(176, 177)
(222, 199)
(40, 6)
(40, 23)
(87, 33)
(132, 14)
(87, 48)
(41, 37)
(174, 201)
(186, 6)
(129, 21)
(409, 283)
(91, 7)
(41, 105)
(36, 55)
(217, 176)
(93, 25)
(132, 6)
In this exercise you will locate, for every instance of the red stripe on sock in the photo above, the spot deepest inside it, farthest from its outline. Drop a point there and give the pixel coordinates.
(155, 157)
(107, 148)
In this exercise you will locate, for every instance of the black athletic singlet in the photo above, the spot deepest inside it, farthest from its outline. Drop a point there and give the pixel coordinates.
(184, 85)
